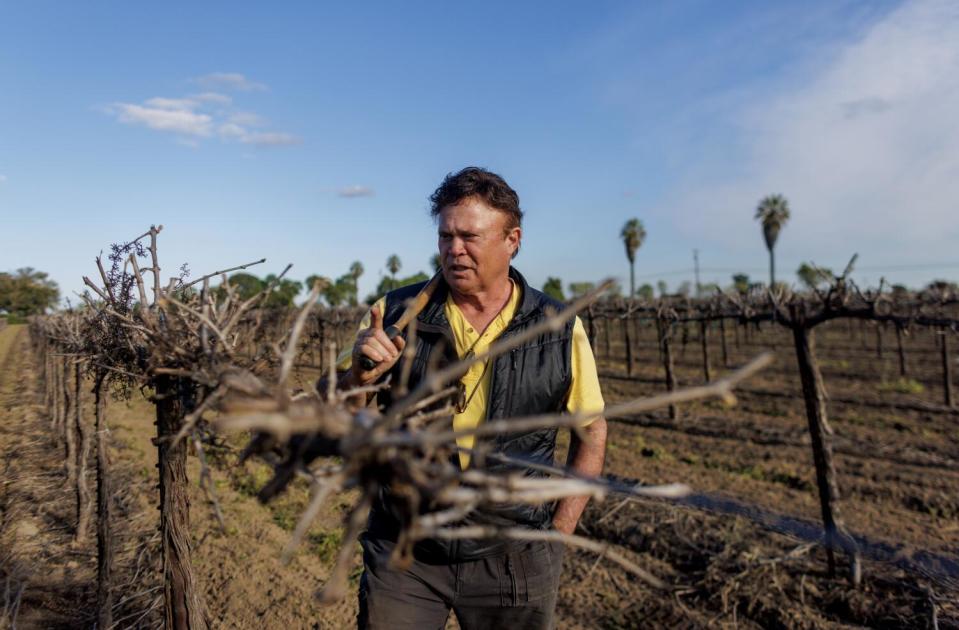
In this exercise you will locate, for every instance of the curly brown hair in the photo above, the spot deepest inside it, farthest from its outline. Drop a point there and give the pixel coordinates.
(474, 181)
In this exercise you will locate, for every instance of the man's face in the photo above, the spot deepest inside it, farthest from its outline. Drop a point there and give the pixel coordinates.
(475, 246)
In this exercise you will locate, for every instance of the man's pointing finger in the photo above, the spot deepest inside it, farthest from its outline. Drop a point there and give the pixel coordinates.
(376, 318)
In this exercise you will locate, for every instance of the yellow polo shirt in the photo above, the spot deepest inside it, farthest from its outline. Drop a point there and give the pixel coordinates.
(584, 392)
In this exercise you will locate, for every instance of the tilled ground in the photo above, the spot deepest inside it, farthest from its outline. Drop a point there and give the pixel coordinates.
(897, 457)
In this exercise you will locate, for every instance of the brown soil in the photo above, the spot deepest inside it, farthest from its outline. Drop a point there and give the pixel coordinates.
(897, 455)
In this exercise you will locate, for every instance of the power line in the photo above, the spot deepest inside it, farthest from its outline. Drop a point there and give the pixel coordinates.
(919, 266)
(692, 270)
(912, 267)
(660, 274)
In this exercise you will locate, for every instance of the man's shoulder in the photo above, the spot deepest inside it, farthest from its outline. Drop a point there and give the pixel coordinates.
(537, 307)
(544, 302)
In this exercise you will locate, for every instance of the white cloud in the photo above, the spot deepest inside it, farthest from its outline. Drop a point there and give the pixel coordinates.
(355, 191)
(212, 97)
(228, 80)
(865, 148)
(199, 116)
(160, 102)
(178, 121)
(3, 178)
(270, 139)
(233, 131)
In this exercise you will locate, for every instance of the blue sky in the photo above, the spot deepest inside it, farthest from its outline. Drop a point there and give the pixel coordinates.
(313, 134)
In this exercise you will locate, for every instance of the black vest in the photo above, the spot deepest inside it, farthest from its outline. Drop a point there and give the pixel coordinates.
(532, 379)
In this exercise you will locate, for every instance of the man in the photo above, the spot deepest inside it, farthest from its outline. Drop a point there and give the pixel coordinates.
(481, 298)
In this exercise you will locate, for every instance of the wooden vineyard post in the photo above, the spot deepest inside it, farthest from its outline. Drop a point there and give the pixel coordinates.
(183, 609)
(337, 330)
(321, 365)
(47, 392)
(606, 350)
(83, 455)
(104, 540)
(902, 354)
(637, 336)
(946, 367)
(820, 433)
(685, 341)
(722, 336)
(47, 377)
(704, 341)
(48, 368)
(316, 355)
(57, 403)
(67, 427)
(629, 347)
(878, 341)
(659, 339)
(665, 333)
(54, 371)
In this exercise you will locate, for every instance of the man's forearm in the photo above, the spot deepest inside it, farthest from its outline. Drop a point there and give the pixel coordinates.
(585, 458)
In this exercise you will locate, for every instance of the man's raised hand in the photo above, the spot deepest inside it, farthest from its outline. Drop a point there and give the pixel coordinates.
(373, 343)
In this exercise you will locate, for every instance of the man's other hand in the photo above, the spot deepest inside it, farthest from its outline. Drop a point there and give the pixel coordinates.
(372, 342)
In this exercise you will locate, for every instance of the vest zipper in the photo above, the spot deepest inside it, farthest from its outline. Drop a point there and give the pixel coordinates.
(493, 382)
(510, 385)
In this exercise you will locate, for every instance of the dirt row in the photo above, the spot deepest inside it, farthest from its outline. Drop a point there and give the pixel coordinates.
(53, 580)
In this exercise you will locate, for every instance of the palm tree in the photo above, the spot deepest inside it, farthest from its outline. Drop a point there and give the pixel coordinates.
(393, 264)
(773, 212)
(356, 270)
(633, 235)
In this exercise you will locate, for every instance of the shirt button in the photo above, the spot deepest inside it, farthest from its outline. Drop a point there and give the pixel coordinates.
(469, 330)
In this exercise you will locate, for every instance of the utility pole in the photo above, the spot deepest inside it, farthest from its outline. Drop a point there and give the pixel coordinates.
(699, 287)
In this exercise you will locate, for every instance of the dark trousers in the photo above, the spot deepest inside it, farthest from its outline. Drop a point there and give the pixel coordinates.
(515, 590)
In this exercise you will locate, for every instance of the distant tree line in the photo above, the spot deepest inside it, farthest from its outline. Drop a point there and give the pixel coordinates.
(27, 292)
(340, 291)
